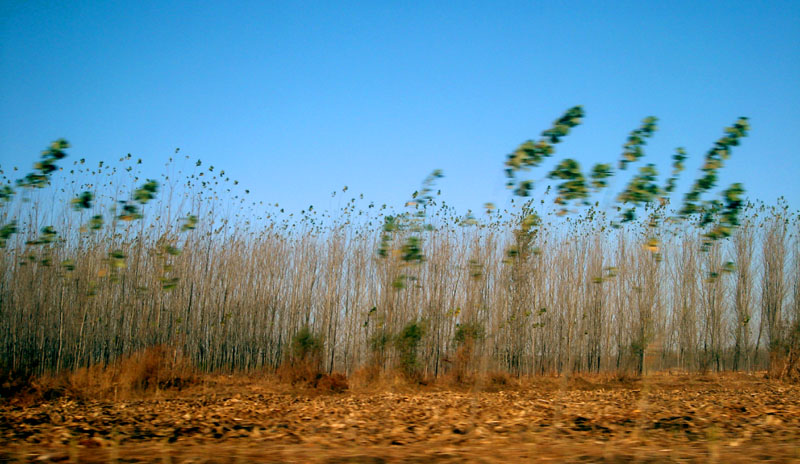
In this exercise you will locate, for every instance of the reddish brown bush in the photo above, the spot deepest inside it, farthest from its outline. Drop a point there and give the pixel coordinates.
(334, 383)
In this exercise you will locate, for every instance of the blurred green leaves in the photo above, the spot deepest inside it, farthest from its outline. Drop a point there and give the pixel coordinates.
(574, 185)
(40, 178)
(172, 251)
(723, 214)
(82, 201)
(600, 172)
(68, 265)
(6, 193)
(412, 250)
(714, 160)
(389, 226)
(524, 234)
(728, 213)
(129, 212)
(402, 235)
(677, 167)
(189, 223)
(633, 149)
(47, 235)
(643, 188)
(96, 223)
(6, 232)
(531, 154)
(468, 332)
(116, 259)
(146, 192)
(141, 195)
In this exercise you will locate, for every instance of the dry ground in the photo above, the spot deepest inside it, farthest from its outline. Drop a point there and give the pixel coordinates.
(664, 418)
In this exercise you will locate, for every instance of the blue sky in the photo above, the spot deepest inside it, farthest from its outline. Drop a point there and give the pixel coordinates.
(297, 99)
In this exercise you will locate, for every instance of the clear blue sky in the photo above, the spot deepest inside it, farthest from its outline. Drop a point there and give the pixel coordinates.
(297, 99)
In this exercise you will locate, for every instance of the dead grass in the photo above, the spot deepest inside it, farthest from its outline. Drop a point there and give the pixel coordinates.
(149, 371)
(306, 375)
(162, 370)
(374, 379)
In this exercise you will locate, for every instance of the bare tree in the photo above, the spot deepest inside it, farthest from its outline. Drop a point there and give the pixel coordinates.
(773, 286)
(743, 243)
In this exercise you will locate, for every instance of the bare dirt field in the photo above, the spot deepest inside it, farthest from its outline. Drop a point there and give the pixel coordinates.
(664, 418)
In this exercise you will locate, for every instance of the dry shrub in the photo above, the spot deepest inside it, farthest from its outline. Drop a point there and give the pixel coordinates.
(461, 372)
(578, 382)
(307, 376)
(333, 383)
(462, 365)
(302, 372)
(302, 365)
(373, 378)
(14, 383)
(82, 383)
(498, 381)
(366, 376)
(624, 377)
(155, 368)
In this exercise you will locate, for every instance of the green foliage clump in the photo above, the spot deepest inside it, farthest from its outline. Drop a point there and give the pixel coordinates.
(6, 193)
(633, 148)
(531, 154)
(641, 190)
(677, 167)
(714, 161)
(574, 185)
(142, 195)
(146, 192)
(306, 345)
(6, 232)
(302, 365)
(83, 201)
(601, 172)
(468, 332)
(97, 222)
(40, 178)
(524, 234)
(412, 250)
(732, 203)
(406, 343)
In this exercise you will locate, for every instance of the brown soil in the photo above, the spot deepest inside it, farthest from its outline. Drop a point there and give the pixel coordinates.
(664, 418)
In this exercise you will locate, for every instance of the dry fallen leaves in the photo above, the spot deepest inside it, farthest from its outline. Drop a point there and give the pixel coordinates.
(735, 418)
